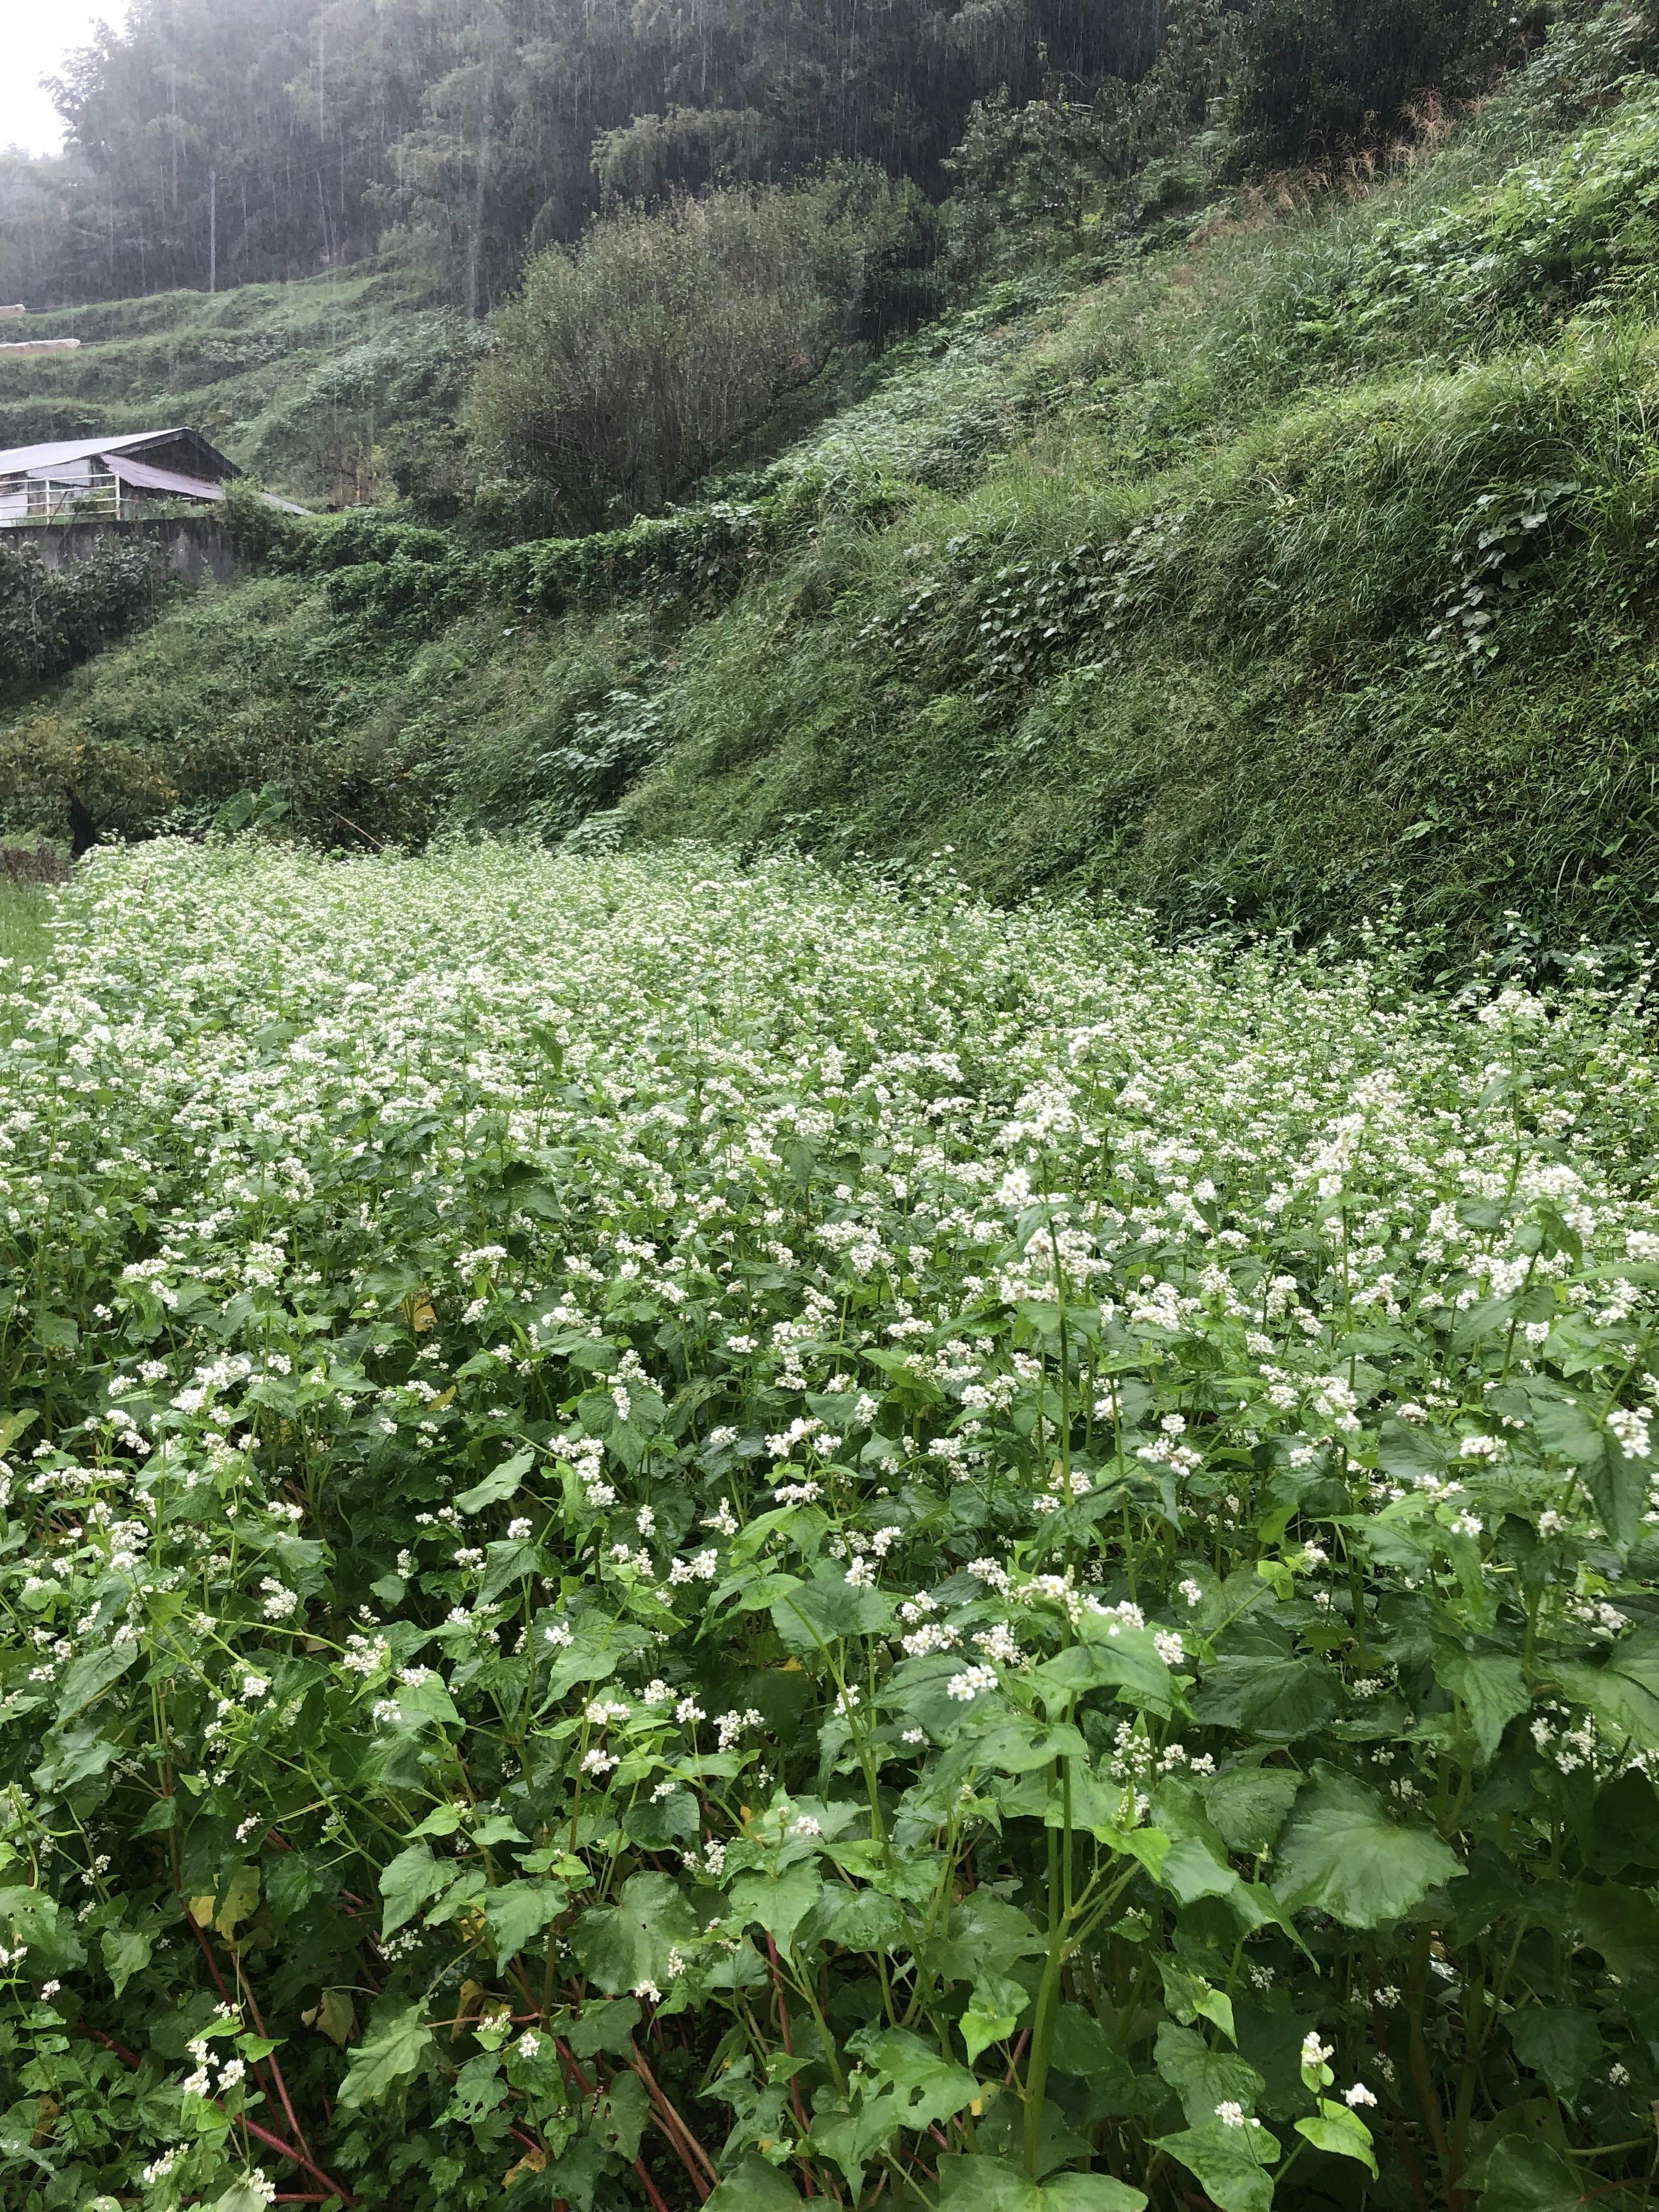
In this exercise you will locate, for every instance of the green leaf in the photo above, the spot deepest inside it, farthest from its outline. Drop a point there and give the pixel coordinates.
(428, 1701)
(778, 1902)
(408, 1881)
(241, 2196)
(992, 2184)
(1274, 1700)
(502, 1482)
(1191, 1997)
(90, 1675)
(1623, 1691)
(1526, 2175)
(986, 1935)
(930, 2089)
(235, 1900)
(1334, 2128)
(1251, 1805)
(1561, 2042)
(1128, 1661)
(816, 1615)
(620, 1945)
(397, 2042)
(1493, 1690)
(126, 1952)
(1203, 2078)
(994, 2010)
(518, 1911)
(1090, 2192)
(1342, 1853)
(1622, 1925)
(604, 2024)
(985, 2185)
(1230, 2162)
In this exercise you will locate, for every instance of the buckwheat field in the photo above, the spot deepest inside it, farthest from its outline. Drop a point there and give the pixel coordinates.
(676, 1534)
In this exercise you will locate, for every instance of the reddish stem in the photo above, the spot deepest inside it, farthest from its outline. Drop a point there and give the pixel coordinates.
(789, 2051)
(650, 2187)
(127, 2057)
(270, 2061)
(667, 2112)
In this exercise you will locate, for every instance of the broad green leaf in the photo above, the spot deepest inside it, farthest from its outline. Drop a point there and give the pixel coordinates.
(90, 1675)
(1342, 1852)
(985, 2185)
(986, 1935)
(241, 2196)
(518, 1911)
(126, 1952)
(408, 1880)
(428, 1701)
(1334, 2128)
(604, 2024)
(1525, 2175)
(334, 2015)
(993, 2184)
(394, 2048)
(819, 1614)
(1560, 2042)
(1621, 1923)
(778, 1902)
(1274, 1700)
(1090, 2192)
(1251, 1804)
(930, 2089)
(1127, 1661)
(621, 1946)
(1230, 2162)
(1019, 1746)
(1493, 1690)
(1203, 2078)
(993, 2009)
(1622, 1691)
(1191, 1997)
(501, 1482)
(235, 1900)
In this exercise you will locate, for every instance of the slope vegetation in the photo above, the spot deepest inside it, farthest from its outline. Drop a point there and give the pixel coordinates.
(1290, 567)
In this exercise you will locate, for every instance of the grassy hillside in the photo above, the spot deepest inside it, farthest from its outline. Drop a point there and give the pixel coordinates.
(1298, 564)
(323, 387)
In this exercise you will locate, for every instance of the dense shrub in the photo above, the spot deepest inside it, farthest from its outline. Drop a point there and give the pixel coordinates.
(629, 364)
(51, 618)
(1314, 75)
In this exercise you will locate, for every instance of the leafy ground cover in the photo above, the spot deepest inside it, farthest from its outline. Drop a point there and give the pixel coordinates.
(1287, 562)
(676, 1535)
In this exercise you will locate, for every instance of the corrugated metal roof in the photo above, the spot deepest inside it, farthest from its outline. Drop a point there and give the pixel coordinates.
(21, 459)
(150, 479)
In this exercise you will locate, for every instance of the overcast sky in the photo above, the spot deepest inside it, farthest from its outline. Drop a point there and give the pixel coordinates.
(35, 36)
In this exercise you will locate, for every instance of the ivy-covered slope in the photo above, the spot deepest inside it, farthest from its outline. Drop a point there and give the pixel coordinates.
(1296, 567)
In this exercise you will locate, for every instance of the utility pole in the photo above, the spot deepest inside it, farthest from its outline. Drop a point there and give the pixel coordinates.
(213, 230)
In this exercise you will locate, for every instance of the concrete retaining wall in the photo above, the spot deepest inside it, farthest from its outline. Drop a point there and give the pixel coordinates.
(193, 547)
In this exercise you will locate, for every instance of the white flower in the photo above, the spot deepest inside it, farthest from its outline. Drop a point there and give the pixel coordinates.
(1358, 2095)
(967, 1686)
(1313, 2052)
(646, 1992)
(529, 2044)
(1230, 2113)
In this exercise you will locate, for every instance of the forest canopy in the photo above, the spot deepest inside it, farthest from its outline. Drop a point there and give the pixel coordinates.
(269, 138)
(217, 142)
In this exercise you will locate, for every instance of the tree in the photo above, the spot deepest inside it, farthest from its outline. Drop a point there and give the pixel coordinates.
(629, 362)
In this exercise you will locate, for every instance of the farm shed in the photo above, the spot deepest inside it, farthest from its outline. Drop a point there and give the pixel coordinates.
(117, 479)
